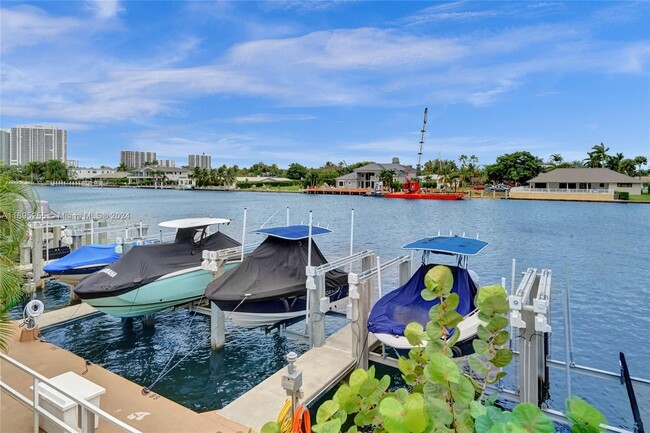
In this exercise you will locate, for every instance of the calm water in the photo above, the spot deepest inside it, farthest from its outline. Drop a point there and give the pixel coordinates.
(600, 251)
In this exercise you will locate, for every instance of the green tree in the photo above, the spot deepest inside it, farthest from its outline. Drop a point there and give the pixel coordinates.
(613, 161)
(16, 199)
(436, 166)
(34, 171)
(386, 176)
(55, 171)
(122, 167)
(627, 166)
(328, 176)
(555, 159)
(640, 161)
(296, 171)
(597, 157)
(517, 167)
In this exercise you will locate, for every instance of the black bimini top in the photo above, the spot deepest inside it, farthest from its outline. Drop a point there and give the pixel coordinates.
(275, 270)
(146, 263)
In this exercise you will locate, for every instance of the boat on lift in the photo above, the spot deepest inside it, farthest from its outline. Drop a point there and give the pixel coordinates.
(83, 261)
(395, 310)
(269, 286)
(151, 278)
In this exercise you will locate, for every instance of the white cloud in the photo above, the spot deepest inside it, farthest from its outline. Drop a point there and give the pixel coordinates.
(104, 9)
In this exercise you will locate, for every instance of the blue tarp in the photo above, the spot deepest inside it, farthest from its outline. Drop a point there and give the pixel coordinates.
(394, 311)
(292, 233)
(86, 255)
(456, 245)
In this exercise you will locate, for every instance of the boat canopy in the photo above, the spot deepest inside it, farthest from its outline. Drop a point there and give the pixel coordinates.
(185, 223)
(452, 245)
(293, 233)
(394, 311)
(145, 263)
(86, 255)
(275, 270)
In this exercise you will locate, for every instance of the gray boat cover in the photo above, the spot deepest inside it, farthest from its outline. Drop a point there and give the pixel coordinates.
(276, 269)
(146, 263)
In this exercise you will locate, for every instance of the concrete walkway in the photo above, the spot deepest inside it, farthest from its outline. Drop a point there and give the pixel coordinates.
(321, 368)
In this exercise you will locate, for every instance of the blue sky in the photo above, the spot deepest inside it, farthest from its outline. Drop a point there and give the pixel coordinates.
(310, 82)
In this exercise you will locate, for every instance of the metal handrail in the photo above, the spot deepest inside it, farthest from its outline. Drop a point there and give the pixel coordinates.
(39, 410)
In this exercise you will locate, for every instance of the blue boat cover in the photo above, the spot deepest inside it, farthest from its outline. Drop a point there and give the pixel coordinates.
(394, 311)
(455, 245)
(293, 233)
(86, 255)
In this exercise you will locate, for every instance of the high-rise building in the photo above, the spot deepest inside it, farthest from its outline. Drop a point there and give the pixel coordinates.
(202, 161)
(37, 143)
(5, 143)
(136, 159)
(166, 163)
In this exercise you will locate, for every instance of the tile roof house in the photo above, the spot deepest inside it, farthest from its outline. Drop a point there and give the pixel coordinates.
(367, 176)
(585, 180)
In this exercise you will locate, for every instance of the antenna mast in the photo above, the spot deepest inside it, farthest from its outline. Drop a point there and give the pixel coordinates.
(424, 126)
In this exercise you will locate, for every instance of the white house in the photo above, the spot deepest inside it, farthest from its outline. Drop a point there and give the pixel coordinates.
(585, 180)
(79, 173)
(172, 175)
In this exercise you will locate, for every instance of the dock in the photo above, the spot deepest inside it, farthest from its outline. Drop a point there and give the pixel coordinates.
(337, 191)
(321, 367)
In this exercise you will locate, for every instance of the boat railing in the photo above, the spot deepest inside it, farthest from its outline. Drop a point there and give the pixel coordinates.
(88, 410)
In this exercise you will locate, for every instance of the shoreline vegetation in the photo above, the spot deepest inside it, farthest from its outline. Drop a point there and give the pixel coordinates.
(470, 194)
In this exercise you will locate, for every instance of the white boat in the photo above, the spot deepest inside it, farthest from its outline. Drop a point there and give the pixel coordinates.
(150, 278)
(396, 309)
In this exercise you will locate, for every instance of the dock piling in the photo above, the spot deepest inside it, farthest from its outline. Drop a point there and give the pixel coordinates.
(218, 327)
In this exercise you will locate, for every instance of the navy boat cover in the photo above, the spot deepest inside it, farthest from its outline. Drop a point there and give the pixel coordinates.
(86, 255)
(454, 245)
(394, 311)
(292, 233)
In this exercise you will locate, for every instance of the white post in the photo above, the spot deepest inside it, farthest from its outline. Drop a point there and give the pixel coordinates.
(47, 242)
(352, 234)
(218, 325)
(92, 231)
(309, 240)
(243, 235)
(512, 277)
(287, 216)
(377, 293)
(140, 228)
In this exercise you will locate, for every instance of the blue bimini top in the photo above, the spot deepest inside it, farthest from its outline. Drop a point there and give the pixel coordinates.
(86, 255)
(452, 245)
(394, 311)
(293, 233)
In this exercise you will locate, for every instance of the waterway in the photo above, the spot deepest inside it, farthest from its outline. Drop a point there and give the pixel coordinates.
(599, 251)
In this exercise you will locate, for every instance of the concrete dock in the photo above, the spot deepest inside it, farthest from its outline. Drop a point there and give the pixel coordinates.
(123, 399)
(321, 367)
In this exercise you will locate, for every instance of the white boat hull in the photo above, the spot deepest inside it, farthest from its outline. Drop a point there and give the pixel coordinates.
(255, 320)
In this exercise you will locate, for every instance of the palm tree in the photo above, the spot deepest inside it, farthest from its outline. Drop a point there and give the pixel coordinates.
(613, 161)
(15, 200)
(122, 167)
(386, 176)
(598, 156)
(556, 159)
(640, 161)
(627, 166)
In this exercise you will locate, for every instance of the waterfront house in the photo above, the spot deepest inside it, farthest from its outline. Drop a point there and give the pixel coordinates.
(578, 184)
(86, 173)
(368, 175)
(162, 175)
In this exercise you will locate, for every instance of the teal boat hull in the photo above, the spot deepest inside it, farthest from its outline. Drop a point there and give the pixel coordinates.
(164, 293)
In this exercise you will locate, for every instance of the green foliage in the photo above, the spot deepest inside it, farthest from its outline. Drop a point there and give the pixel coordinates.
(622, 195)
(517, 167)
(439, 398)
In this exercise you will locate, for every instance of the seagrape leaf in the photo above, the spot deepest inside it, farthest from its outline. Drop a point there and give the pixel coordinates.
(531, 419)
(327, 411)
(357, 378)
(581, 412)
(498, 428)
(486, 292)
(270, 427)
(371, 372)
(480, 347)
(427, 295)
(348, 400)
(331, 426)
(433, 331)
(415, 418)
(501, 338)
(406, 366)
(413, 333)
(368, 387)
(439, 279)
(476, 409)
(483, 423)
(483, 333)
(392, 415)
(452, 301)
(441, 410)
(451, 319)
(353, 429)
(401, 394)
(494, 305)
(477, 365)
(463, 391)
(497, 323)
(464, 422)
(500, 375)
(501, 358)
(442, 370)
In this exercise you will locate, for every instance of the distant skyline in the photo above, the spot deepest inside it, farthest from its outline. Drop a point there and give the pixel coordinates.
(314, 81)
